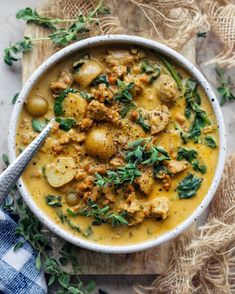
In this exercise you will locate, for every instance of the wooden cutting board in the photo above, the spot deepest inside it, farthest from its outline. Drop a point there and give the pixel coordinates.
(152, 261)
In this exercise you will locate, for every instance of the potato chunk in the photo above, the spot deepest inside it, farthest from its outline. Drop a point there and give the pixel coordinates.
(167, 90)
(88, 72)
(75, 106)
(61, 171)
(100, 143)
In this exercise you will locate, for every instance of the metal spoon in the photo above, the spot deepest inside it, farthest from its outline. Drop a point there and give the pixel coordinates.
(10, 176)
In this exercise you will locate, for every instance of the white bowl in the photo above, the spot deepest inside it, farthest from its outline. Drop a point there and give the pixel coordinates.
(112, 40)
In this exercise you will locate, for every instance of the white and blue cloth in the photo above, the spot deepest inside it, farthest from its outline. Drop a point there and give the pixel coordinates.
(18, 273)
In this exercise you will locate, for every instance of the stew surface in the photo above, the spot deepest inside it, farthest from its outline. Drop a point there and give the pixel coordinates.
(133, 150)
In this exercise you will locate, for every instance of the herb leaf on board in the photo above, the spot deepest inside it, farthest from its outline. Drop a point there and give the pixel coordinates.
(225, 87)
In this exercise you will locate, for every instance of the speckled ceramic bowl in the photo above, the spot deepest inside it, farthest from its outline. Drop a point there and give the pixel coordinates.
(117, 40)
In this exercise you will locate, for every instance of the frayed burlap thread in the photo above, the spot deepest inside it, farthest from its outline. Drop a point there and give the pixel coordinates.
(222, 22)
(203, 261)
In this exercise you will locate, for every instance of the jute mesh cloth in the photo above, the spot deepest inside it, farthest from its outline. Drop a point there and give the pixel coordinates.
(201, 261)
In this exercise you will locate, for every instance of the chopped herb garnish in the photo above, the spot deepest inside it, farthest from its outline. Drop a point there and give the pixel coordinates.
(58, 107)
(188, 186)
(14, 99)
(54, 201)
(191, 156)
(225, 87)
(171, 69)
(38, 125)
(124, 174)
(66, 123)
(140, 154)
(88, 232)
(103, 215)
(102, 79)
(188, 154)
(210, 141)
(197, 167)
(124, 95)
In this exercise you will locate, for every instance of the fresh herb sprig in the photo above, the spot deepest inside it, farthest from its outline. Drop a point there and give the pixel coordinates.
(11, 53)
(125, 174)
(225, 87)
(188, 186)
(142, 151)
(60, 36)
(101, 214)
(124, 92)
(30, 229)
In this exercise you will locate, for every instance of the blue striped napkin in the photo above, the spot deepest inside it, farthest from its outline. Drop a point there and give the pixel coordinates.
(18, 273)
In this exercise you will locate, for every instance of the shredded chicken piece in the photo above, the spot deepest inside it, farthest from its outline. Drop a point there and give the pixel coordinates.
(175, 166)
(145, 181)
(159, 119)
(99, 112)
(159, 207)
(64, 81)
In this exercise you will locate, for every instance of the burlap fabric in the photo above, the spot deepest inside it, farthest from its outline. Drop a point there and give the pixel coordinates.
(200, 260)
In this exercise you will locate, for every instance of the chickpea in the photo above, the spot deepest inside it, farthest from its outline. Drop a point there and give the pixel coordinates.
(36, 106)
(72, 199)
(99, 142)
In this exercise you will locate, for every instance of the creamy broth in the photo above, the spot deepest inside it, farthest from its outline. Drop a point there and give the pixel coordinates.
(146, 221)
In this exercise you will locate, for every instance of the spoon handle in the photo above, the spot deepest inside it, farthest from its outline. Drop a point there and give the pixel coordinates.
(10, 176)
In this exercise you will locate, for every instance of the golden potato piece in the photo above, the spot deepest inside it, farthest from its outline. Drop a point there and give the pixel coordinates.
(75, 106)
(87, 73)
(36, 106)
(167, 90)
(100, 143)
(61, 171)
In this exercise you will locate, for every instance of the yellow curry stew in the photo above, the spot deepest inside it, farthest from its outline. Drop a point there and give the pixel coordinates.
(133, 150)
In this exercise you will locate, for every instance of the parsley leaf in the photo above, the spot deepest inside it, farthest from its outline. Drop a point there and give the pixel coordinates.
(210, 141)
(191, 156)
(38, 125)
(188, 186)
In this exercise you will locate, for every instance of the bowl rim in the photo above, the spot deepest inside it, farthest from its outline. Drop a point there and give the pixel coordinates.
(117, 40)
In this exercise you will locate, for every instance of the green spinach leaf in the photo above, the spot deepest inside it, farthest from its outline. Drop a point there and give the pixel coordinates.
(58, 107)
(188, 186)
